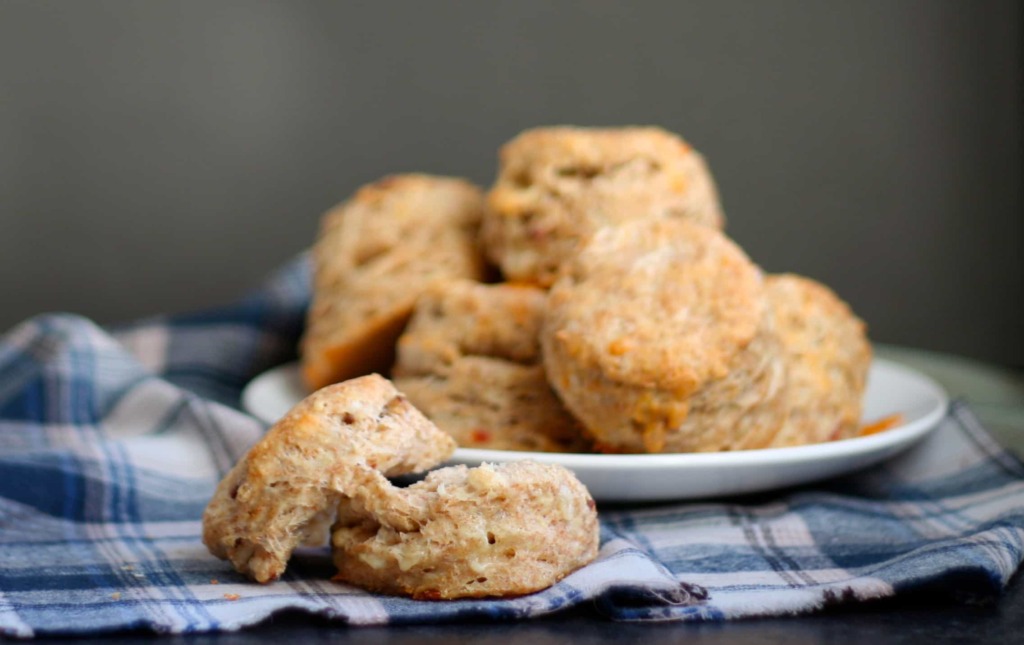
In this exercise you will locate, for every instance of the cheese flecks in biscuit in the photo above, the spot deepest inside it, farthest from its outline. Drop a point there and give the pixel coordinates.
(470, 360)
(827, 356)
(658, 338)
(374, 255)
(556, 186)
(496, 530)
(340, 441)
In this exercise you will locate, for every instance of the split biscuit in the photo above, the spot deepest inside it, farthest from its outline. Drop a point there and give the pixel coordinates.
(340, 441)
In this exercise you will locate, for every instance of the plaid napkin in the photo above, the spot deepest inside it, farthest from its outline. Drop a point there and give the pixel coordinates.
(111, 443)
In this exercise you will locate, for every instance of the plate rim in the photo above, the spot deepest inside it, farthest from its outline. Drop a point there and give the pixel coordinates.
(900, 436)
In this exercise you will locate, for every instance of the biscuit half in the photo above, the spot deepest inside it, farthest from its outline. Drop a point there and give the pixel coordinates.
(496, 530)
(374, 255)
(339, 442)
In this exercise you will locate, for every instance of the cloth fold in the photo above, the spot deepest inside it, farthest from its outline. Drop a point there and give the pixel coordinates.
(112, 441)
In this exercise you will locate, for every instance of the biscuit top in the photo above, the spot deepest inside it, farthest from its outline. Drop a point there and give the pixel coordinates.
(556, 186)
(376, 252)
(358, 238)
(586, 152)
(364, 420)
(657, 303)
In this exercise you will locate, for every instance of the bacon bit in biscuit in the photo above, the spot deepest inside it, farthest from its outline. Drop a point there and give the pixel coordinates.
(883, 424)
(536, 233)
(214, 581)
(231, 596)
(837, 433)
(480, 435)
(429, 594)
(608, 449)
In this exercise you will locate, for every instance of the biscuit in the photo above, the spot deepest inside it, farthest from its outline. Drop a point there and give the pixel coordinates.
(496, 530)
(558, 185)
(460, 318)
(340, 441)
(658, 338)
(470, 360)
(497, 405)
(374, 255)
(827, 356)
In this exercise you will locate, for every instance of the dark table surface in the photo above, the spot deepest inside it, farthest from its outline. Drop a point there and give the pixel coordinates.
(921, 618)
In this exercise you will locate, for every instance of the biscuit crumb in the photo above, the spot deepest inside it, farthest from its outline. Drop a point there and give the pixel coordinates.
(231, 596)
(116, 595)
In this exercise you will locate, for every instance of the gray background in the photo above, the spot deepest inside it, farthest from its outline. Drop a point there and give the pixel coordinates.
(156, 157)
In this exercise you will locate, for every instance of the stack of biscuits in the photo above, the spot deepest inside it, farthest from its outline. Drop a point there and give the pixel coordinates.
(623, 319)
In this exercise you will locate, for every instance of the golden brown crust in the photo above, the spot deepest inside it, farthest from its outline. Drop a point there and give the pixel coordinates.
(497, 530)
(827, 355)
(375, 253)
(658, 338)
(558, 185)
(470, 360)
(339, 441)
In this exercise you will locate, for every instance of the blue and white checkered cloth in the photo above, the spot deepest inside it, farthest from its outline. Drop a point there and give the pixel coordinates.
(111, 443)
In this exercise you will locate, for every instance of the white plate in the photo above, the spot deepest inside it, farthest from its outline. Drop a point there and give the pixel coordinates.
(891, 389)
